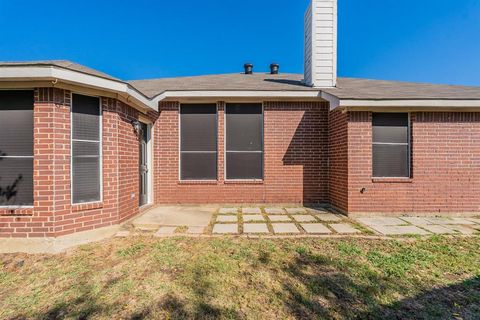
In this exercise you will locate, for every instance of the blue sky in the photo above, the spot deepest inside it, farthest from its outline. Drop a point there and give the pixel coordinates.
(413, 40)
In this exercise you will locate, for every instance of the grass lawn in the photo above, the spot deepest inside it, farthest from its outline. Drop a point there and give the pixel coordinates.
(227, 278)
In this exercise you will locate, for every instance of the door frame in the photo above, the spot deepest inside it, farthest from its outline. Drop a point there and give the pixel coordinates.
(150, 161)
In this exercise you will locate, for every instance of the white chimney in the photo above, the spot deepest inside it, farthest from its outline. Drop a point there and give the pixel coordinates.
(321, 43)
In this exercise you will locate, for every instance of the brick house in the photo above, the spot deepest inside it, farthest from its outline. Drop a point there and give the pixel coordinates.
(81, 150)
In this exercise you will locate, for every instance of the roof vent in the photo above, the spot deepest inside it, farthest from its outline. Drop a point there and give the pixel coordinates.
(248, 68)
(274, 67)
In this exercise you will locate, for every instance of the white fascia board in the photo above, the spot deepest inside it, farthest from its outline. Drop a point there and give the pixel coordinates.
(334, 101)
(35, 73)
(238, 94)
(445, 103)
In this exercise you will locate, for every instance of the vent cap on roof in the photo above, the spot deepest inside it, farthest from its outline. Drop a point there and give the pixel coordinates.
(274, 68)
(248, 68)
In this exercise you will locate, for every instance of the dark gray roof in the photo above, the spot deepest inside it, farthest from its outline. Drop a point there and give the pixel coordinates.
(233, 82)
(364, 89)
(65, 64)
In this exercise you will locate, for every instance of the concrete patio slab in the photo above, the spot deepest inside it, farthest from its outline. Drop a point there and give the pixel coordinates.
(279, 218)
(175, 216)
(285, 228)
(255, 228)
(382, 221)
(304, 218)
(344, 228)
(275, 211)
(164, 231)
(399, 230)
(438, 229)
(328, 217)
(315, 228)
(253, 217)
(228, 210)
(419, 221)
(225, 229)
(466, 230)
(251, 210)
(227, 218)
(296, 210)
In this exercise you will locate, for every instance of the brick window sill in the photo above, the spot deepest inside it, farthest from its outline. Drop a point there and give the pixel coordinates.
(16, 211)
(193, 182)
(87, 206)
(392, 180)
(243, 182)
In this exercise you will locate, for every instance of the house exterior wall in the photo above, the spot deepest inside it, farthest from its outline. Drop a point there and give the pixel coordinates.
(445, 162)
(52, 214)
(338, 160)
(295, 159)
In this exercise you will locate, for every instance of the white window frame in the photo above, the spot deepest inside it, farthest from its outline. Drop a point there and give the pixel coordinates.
(100, 146)
(180, 144)
(408, 144)
(225, 143)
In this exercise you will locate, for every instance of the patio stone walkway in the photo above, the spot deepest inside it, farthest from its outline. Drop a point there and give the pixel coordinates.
(290, 221)
(421, 225)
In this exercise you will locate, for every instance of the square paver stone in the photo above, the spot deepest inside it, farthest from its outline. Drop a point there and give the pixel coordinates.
(227, 210)
(467, 230)
(418, 221)
(399, 230)
(253, 217)
(328, 217)
(279, 218)
(255, 228)
(275, 211)
(163, 231)
(304, 218)
(447, 221)
(251, 210)
(285, 228)
(344, 228)
(225, 229)
(122, 234)
(382, 221)
(438, 229)
(196, 230)
(227, 219)
(296, 210)
(315, 228)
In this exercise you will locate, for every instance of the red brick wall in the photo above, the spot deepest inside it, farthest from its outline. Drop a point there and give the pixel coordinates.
(52, 213)
(338, 159)
(296, 159)
(445, 166)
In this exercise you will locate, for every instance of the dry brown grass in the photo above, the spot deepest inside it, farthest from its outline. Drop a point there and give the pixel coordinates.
(228, 278)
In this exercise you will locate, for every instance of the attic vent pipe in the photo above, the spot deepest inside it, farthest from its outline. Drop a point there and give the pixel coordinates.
(274, 67)
(248, 68)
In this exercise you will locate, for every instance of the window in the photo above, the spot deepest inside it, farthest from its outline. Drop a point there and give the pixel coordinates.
(16, 148)
(391, 152)
(244, 141)
(198, 142)
(86, 149)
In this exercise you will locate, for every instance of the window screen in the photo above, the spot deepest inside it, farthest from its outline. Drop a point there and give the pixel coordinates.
(198, 142)
(86, 149)
(16, 148)
(244, 141)
(391, 156)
